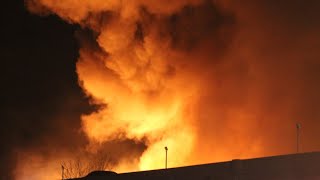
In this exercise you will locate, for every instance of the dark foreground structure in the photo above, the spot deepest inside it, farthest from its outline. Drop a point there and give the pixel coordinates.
(287, 167)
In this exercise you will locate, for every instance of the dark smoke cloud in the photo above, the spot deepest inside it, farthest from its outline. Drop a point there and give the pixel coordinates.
(272, 80)
(41, 102)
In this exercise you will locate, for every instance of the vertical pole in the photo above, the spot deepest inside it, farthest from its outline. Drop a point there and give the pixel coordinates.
(298, 136)
(166, 163)
(62, 172)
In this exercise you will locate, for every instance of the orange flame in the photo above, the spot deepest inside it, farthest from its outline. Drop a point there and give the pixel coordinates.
(147, 87)
(158, 71)
(142, 101)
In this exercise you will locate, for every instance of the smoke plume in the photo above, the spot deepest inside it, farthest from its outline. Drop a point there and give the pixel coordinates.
(212, 80)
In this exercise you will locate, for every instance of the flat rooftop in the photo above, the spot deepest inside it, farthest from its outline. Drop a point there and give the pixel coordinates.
(304, 166)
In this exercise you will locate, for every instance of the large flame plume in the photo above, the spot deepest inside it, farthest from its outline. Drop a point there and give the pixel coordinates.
(163, 75)
(146, 85)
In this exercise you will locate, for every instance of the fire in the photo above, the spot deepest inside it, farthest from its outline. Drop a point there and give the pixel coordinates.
(147, 88)
(142, 101)
(138, 79)
(161, 76)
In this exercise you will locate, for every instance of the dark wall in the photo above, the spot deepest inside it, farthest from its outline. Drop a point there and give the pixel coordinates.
(288, 167)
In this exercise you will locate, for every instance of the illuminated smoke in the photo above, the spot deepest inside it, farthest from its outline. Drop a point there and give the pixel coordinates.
(191, 75)
(140, 71)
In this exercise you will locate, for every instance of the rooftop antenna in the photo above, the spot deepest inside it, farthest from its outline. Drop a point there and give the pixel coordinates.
(298, 126)
(166, 148)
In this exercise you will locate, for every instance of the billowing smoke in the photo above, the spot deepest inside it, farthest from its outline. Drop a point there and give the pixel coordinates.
(212, 80)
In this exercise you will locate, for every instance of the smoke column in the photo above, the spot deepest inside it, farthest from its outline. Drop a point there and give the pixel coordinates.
(212, 80)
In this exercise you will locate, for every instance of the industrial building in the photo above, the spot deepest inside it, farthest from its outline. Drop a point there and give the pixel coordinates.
(304, 166)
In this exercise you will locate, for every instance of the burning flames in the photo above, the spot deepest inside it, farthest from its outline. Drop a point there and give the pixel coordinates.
(145, 94)
(144, 86)
(160, 74)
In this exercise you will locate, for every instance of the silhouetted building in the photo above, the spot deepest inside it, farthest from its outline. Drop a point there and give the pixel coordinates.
(287, 167)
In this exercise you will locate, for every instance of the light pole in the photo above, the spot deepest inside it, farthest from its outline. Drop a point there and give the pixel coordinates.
(166, 148)
(298, 126)
(62, 172)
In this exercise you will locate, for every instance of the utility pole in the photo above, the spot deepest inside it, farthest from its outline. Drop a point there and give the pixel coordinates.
(298, 126)
(166, 148)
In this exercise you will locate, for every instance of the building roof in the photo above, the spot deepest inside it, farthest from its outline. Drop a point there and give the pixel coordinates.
(304, 166)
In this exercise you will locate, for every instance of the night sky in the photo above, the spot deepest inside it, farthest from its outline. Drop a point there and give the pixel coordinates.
(40, 96)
